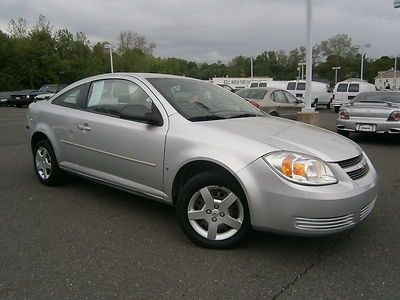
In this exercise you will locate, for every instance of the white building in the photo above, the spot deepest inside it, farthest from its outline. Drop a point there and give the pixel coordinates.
(238, 82)
(387, 79)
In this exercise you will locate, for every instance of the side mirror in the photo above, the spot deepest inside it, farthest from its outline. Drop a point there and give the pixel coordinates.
(143, 114)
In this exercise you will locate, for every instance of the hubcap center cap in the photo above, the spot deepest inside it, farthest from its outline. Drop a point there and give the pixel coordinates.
(215, 212)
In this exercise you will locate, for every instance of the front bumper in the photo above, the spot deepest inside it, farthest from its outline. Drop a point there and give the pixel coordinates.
(377, 125)
(277, 205)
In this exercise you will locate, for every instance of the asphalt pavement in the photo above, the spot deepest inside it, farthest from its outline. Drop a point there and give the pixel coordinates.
(85, 240)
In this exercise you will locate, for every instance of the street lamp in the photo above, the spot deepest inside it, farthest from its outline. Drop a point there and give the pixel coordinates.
(307, 95)
(251, 67)
(110, 48)
(336, 70)
(302, 65)
(362, 49)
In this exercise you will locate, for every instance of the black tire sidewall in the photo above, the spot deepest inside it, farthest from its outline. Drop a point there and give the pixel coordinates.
(55, 175)
(195, 184)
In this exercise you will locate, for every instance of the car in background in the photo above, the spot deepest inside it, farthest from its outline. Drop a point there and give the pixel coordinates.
(227, 87)
(370, 112)
(347, 90)
(26, 97)
(224, 165)
(273, 101)
(321, 93)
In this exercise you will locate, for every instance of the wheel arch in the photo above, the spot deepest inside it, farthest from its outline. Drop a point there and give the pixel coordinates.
(36, 137)
(195, 167)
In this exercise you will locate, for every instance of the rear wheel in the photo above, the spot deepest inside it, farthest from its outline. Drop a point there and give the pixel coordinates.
(337, 109)
(212, 211)
(45, 163)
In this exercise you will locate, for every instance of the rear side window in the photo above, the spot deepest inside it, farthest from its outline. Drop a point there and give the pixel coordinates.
(262, 84)
(74, 98)
(342, 87)
(254, 84)
(301, 86)
(279, 97)
(252, 93)
(291, 86)
(354, 87)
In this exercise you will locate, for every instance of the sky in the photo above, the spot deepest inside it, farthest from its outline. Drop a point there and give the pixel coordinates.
(211, 30)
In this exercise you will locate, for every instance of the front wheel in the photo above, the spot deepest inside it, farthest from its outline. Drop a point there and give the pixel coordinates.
(212, 211)
(45, 163)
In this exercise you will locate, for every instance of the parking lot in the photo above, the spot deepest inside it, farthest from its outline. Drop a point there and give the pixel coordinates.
(86, 240)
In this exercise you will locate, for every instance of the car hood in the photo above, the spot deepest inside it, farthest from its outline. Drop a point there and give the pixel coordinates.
(283, 134)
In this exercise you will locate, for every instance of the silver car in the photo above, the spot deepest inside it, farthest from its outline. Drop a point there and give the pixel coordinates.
(226, 166)
(273, 101)
(377, 112)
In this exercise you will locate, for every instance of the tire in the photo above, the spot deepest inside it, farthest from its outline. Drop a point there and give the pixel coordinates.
(45, 164)
(336, 109)
(200, 204)
(345, 133)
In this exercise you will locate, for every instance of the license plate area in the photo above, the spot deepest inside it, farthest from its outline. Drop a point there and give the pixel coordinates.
(366, 127)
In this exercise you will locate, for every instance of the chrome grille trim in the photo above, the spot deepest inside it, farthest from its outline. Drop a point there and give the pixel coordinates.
(356, 174)
(366, 210)
(324, 224)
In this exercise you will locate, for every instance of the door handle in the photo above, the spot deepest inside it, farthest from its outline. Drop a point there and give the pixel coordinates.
(84, 127)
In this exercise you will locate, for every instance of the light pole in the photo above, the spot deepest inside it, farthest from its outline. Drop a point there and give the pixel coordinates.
(307, 107)
(251, 67)
(395, 72)
(336, 70)
(362, 50)
(301, 65)
(110, 48)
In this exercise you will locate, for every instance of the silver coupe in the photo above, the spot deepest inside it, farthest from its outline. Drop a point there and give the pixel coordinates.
(223, 164)
(370, 112)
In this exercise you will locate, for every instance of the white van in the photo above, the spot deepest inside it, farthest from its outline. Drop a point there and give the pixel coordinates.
(321, 93)
(346, 90)
(258, 83)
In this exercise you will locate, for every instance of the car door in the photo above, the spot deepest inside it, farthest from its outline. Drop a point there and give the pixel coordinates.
(284, 109)
(62, 120)
(125, 153)
(293, 106)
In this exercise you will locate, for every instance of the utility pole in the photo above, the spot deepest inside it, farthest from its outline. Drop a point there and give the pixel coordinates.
(308, 59)
(110, 48)
(251, 68)
(336, 71)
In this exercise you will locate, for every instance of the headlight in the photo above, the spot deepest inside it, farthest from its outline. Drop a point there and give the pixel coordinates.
(300, 168)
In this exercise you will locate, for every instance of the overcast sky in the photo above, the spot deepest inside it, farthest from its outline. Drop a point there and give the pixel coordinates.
(208, 30)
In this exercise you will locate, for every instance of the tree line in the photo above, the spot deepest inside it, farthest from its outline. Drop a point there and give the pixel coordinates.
(32, 56)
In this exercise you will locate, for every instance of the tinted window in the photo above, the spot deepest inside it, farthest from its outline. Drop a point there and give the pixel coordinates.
(301, 86)
(342, 87)
(290, 98)
(111, 96)
(378, 97)
(354, 87)
(252, 93)
(74, 98)
(291, 86)
(279, 97)
(254, 84)
(263, 84)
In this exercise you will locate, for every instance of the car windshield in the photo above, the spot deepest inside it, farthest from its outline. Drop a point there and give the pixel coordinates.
(203, 101)
(49, 88)
(252, 93)
(393, 97)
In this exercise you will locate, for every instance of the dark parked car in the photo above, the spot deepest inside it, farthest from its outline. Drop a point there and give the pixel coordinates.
(26, 97)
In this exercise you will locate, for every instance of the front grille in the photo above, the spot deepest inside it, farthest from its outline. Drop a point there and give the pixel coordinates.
(350, 162)
(366, 210)
(356, 174)
(355, 167)
(324, 224)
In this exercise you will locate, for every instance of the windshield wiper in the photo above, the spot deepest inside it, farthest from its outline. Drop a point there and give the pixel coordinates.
(244, 115)
(202, 105)
(205, 118)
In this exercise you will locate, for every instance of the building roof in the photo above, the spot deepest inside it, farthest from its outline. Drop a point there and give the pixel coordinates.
(387, 74)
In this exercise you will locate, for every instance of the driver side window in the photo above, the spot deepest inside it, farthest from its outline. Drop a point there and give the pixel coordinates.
(111, 96)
